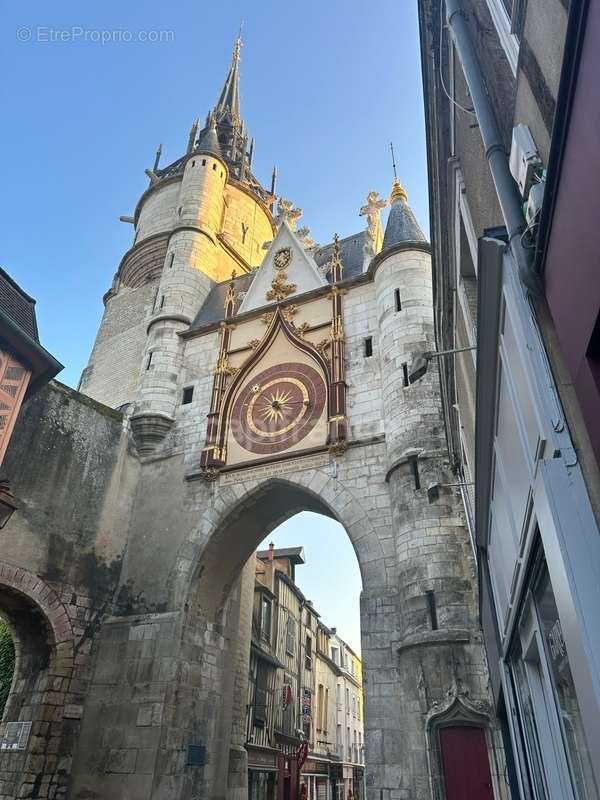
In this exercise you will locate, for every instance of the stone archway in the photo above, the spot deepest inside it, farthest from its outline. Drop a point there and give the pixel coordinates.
(224, 526)
(217, 588)
(44, 664)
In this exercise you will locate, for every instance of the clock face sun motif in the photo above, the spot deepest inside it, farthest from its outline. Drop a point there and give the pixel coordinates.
(282, 258)
(278, 408)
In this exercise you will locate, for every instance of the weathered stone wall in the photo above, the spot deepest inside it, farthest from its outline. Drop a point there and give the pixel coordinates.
(61, 558)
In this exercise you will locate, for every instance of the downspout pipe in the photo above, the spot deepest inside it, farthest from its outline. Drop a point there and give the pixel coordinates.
(495, 153)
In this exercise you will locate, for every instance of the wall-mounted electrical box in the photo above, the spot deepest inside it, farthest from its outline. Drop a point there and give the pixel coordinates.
(524, 158)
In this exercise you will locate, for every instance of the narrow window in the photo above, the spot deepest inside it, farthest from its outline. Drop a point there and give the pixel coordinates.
(368, 347)
(154, 301)
(405, 375)
(188, 394)
(290, 639)
(261, 694)
(215, 167)
(171, 259)
(149, 364)
(397, 299)
(194, 163)
(265, 619)
(179, 210)
(162, 301)
(203, 162)
(432, 609)
(416, 476)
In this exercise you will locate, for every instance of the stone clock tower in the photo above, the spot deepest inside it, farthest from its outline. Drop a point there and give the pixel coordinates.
(259, 374)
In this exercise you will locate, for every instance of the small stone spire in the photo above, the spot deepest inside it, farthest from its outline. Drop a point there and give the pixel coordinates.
(208, 140)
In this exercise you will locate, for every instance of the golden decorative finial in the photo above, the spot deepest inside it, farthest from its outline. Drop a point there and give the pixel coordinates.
(398, 192)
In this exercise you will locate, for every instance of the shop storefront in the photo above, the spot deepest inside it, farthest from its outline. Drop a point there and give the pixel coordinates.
(357, 783)
(315, 776)
(262, 773)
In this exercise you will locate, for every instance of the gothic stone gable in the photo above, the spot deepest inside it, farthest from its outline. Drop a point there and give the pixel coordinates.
(287, 264)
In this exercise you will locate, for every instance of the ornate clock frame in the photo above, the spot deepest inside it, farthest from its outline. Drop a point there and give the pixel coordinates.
(228, 380)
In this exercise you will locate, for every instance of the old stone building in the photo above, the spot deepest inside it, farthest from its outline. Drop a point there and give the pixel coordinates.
(214, 406)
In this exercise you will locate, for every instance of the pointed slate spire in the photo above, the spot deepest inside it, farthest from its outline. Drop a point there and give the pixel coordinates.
(208, 141)
(402, 225)
(229, 101)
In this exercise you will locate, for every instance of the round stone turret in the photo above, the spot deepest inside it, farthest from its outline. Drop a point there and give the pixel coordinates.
(192, 260)
(405, 311)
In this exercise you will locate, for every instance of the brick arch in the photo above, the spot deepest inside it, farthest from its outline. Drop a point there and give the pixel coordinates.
(314, 490)
(38, 592)
(42, 680)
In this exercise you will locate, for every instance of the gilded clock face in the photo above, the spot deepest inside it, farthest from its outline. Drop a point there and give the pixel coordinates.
(278, 408)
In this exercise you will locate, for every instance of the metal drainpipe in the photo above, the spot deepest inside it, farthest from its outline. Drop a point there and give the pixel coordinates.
(496, 156)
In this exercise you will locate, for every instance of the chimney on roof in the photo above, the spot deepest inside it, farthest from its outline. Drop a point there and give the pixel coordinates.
(271, 553)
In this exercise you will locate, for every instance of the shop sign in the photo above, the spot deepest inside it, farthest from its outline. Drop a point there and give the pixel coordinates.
(306, 705)
(319, 767)
(261, 759)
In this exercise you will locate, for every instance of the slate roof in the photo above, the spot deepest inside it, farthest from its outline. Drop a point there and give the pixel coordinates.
(295, 554)
(212, 311)
(17, 305)
(402, 225)
(208, 141)
(351, 253)
(213, 308)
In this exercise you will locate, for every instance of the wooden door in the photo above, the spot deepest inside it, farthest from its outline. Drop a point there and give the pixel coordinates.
(466, 763)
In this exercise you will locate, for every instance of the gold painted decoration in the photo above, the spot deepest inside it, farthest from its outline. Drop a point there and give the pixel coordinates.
(279, 288)
(323, 346)
(288, 314)
(303, 329)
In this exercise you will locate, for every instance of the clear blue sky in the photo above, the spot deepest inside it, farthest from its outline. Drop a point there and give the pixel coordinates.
(326, 85)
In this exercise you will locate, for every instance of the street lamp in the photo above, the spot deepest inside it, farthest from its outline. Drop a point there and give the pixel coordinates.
(8, 504)
(420, 363)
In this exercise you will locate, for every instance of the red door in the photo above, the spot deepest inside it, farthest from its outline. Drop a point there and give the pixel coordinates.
(466, 764)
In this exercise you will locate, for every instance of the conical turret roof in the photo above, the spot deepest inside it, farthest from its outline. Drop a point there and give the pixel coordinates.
(208, 141)
(402, 225)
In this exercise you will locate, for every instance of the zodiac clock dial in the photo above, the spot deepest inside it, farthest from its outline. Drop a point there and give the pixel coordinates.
(278, 408)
